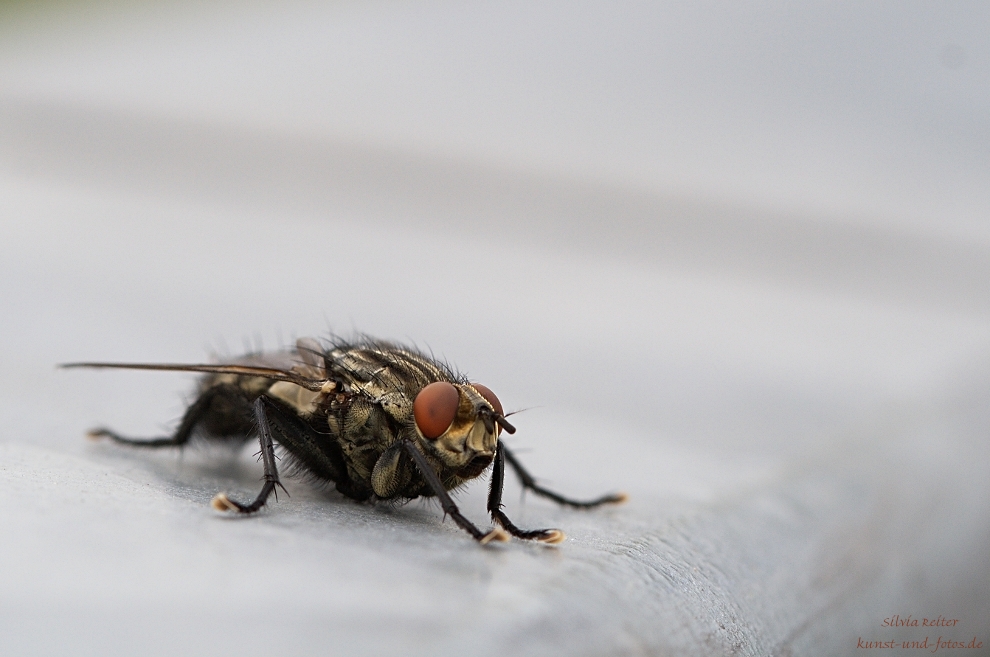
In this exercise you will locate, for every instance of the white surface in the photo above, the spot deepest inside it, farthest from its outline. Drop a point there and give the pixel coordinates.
(663, 232)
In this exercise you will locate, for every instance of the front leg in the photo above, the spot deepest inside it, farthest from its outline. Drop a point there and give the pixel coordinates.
(446, 503)
(223, 503)
(529, 483)
(550, 536)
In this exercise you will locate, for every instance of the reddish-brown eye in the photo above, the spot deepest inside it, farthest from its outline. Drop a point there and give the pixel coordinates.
(489, 397)
(435, 407)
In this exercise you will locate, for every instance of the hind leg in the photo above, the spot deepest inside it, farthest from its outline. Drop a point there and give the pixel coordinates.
(224, 411)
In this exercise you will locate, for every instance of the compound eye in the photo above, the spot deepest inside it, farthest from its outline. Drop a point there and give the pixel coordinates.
(489, 397)
(435, 408)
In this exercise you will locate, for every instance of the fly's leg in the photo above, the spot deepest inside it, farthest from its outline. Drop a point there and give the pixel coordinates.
(221, 502)
(550, 536)
(496, 534)
(529, 483)
(223, 406)
(315, 450)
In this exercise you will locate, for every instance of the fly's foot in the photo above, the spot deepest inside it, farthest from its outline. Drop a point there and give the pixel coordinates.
(552, 537)
(496, 534)
(618, 498)
(221, 502)
(545, 536)
(97, 434)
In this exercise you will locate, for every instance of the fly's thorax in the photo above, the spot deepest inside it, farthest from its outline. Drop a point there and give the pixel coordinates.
(468, 445)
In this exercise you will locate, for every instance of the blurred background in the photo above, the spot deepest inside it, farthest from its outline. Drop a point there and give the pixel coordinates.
(733, 259)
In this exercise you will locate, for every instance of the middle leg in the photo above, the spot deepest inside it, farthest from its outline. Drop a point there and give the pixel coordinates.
(262, 406)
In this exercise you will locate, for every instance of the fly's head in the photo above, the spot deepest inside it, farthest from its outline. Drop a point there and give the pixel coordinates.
(460, 423)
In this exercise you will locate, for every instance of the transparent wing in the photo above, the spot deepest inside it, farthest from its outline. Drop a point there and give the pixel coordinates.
(274, 373)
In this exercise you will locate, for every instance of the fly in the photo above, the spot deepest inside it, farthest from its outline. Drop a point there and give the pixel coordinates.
(379, 420)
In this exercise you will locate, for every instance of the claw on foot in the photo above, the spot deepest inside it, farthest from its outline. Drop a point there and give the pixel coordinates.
(97, 434)
(619, 498)
(496, 534)
(552, 537)
(221, 502)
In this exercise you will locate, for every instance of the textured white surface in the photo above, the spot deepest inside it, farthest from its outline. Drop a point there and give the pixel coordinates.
(664, 233)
